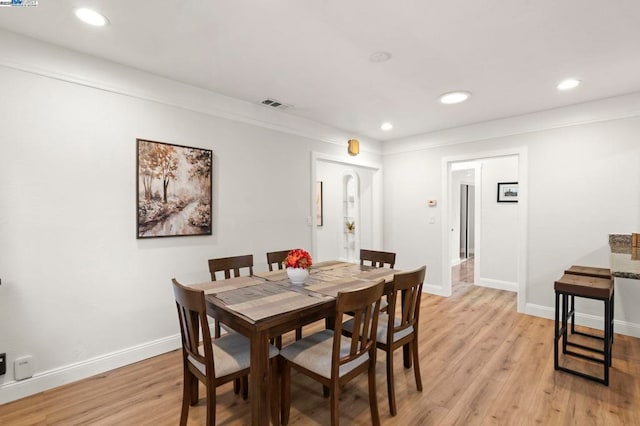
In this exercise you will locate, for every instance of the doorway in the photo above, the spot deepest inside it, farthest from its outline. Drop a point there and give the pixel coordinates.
(467, 221)
(463, 218)
(350, 214)
(499, 248)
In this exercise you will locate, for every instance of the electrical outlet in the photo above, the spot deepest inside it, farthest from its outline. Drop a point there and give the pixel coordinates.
(3, 364)
(23, 367)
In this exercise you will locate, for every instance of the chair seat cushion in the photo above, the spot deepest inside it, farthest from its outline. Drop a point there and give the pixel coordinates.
(383, 321)
(231, 353)
(314, 353)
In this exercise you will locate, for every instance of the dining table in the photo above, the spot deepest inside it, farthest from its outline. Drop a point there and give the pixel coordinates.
(266, 305)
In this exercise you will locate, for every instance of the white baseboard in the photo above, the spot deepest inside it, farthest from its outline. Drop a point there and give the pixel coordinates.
(455, 261)
(434, 289)
(13, 390)
(586, 320)
(498, 284)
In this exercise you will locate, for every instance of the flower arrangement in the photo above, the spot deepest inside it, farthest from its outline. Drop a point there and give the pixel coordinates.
(298, 258)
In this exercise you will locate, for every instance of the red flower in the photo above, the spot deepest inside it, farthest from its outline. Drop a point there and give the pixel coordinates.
(298, 258)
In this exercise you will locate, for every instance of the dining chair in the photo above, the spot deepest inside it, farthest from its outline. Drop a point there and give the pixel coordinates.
(377, 259)
(230, 264)
(212, 362)
(333, 359)
(276, 258)
(395, 332)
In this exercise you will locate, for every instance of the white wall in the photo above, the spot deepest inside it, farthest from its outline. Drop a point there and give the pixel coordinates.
(584, 183)
(79, 292)
(499, 226)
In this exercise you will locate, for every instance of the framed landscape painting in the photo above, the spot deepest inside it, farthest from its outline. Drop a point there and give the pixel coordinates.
(173, 190)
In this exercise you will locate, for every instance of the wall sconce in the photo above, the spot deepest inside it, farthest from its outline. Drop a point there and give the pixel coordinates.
(354, 147)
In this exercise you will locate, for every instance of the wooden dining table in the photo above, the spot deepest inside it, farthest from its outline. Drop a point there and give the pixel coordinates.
(267, 304)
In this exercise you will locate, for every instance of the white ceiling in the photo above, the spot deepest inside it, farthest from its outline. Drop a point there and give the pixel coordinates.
(314, 55)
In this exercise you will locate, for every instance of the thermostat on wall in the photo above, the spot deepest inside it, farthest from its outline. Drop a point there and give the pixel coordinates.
(432, 203)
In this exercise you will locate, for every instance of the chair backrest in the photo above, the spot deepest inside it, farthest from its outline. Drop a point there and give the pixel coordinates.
(377, 259)
(192, 313)
(407, 290)
(364, 305)
(276, 257)
(228, 264)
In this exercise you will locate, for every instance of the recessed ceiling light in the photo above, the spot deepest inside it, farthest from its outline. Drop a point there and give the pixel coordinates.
(568, 84)
(454, 97)
(386, 126)
(380, 57)
(91, 17)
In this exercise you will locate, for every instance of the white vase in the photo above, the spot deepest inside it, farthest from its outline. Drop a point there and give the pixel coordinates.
(297, 275)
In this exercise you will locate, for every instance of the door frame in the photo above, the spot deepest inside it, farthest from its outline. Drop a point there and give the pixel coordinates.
(376, 195)
(522, 154)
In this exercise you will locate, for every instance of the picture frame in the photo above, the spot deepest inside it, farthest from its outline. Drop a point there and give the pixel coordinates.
(319, 206)
(508, 192)
(173, 190)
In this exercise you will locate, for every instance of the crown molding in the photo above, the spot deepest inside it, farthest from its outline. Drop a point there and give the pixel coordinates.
(32, 56)
(614, 108)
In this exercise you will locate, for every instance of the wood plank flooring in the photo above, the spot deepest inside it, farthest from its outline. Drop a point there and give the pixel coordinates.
(482, 364)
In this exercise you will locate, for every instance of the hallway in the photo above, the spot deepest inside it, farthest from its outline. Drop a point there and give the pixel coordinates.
(462, 275)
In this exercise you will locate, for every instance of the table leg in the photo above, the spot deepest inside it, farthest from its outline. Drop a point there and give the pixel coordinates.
(259, 378)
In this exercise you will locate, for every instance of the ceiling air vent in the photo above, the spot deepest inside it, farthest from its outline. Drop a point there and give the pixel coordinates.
(274, 104)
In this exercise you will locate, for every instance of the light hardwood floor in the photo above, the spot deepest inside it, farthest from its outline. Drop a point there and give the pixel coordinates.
(482, 363)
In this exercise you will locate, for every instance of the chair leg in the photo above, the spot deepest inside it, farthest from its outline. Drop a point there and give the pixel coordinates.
(373, 399)
(416, 364)
(244, 385)
(335, 394)
(285, 397)
(186, 397)
(211, 404)
(193, 388)
(325, 391)
(390, 388)
(406, 356)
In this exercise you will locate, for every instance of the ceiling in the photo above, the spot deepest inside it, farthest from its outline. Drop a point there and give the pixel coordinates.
(315, 55)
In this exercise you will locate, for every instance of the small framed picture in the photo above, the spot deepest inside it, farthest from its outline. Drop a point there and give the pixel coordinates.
(508, 192)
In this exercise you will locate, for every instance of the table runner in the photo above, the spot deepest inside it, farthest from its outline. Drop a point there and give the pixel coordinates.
(214, 287)
(329, 264)
(363, 272)
(278, 275)
(265, 300)
(331, 288)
